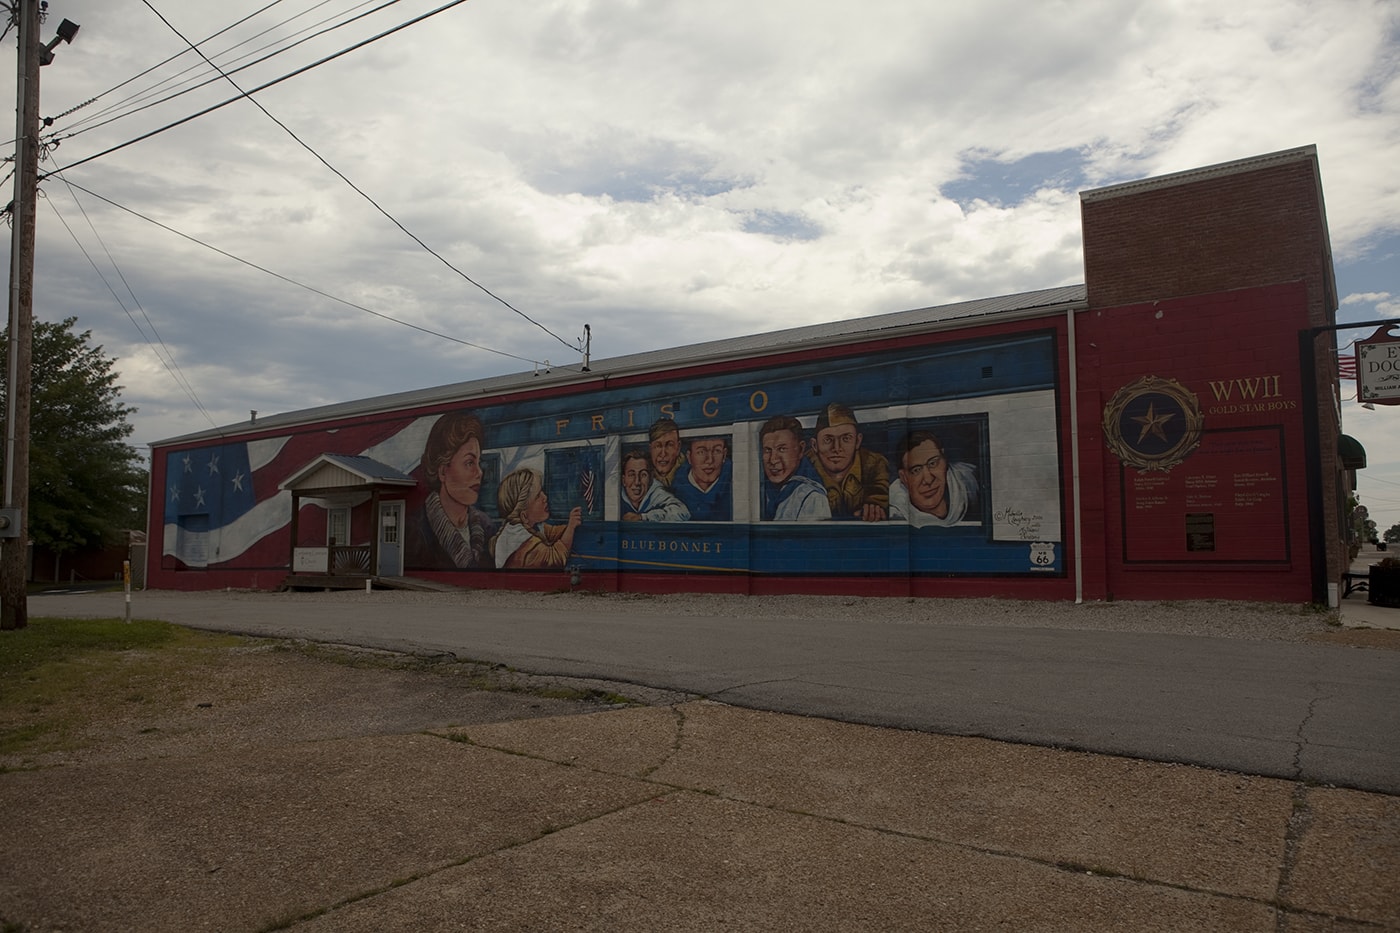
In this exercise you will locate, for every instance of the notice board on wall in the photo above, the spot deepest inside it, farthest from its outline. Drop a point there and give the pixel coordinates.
(1226, 502)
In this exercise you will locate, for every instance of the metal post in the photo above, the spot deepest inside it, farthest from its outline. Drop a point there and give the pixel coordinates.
(1312, 463)
(1312, 452)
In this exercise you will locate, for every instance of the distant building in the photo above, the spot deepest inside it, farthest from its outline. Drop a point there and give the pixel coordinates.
(89, 565)
(1168, 430)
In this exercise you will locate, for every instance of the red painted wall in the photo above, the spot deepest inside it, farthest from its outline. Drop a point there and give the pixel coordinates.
(1237, 353)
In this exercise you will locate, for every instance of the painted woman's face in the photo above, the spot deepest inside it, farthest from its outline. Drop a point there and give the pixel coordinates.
(461, 476)
(538, 509)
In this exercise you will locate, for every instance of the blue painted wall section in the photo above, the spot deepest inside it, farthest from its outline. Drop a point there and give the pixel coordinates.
(939, 459)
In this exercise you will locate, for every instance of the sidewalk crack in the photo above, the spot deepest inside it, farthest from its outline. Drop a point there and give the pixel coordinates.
(1299, 821)
(290, 921)
(676, 742)
(716, 695)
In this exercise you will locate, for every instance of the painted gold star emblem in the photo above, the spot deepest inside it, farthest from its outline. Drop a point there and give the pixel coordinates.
(1182, 412)
(1152, 423)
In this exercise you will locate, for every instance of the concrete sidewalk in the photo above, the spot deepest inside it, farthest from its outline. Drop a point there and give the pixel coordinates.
(684, 815)
(697, 816)
(1356, 611)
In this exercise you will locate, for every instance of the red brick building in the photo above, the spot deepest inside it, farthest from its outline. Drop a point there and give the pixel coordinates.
(1168, 430)
(1210, 277)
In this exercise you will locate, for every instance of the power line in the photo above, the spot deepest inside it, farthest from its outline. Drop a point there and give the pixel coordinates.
(146, 94)
(275, 81)
(167, 359)
(291, 281)
(93, 100)
(360, 191)
(248, 94)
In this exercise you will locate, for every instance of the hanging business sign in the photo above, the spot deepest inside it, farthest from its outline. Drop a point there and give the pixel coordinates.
(1378, 368)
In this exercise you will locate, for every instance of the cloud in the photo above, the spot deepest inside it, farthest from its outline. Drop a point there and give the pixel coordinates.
(666, 173)
(1383, 303)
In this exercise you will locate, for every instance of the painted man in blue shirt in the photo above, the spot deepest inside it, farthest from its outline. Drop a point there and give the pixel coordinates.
(705, 483)
(790, 492)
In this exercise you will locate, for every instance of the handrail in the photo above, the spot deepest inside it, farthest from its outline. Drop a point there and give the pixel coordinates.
(348, 559)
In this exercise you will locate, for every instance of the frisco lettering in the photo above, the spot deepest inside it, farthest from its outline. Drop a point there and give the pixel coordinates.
(709, 408)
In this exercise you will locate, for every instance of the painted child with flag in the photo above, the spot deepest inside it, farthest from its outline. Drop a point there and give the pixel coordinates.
(527, 540)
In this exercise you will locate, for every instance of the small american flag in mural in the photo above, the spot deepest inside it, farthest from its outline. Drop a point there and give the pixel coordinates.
(571, 477)
(587, 486)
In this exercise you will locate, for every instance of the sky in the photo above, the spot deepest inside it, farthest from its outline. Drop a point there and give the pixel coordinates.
(665, 173)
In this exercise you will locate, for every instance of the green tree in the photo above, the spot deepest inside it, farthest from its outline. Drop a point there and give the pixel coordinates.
(86, 485)
(1362, 525)
(1392, 534)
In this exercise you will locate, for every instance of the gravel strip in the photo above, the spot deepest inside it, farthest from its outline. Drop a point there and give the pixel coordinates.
(1214, 618)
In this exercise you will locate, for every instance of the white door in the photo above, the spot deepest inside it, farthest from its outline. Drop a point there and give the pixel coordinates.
(390, 539)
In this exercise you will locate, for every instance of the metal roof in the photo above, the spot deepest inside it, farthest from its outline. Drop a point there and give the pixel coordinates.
(1022, 305)
(371, 471)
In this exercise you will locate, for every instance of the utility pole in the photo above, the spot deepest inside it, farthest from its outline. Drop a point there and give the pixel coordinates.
(14, 561)
(14, 516)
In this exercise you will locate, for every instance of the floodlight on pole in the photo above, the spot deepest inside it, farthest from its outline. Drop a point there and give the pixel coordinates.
(66, 31)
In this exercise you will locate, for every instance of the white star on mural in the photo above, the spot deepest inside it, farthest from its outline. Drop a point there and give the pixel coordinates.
(213, 464)
(174, 493)
(199, 496)
(189, 467)
(238, 481)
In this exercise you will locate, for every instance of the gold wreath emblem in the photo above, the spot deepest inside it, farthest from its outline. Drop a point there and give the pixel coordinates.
(1152, 423)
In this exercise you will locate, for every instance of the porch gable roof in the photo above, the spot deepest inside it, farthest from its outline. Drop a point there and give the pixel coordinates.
(338, 471)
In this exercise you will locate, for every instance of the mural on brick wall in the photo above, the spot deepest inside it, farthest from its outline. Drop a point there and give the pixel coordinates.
(935, 459)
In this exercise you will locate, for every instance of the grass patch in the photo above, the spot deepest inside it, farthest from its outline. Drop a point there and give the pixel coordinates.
(57, 674)
(71, 684)
(47, 641)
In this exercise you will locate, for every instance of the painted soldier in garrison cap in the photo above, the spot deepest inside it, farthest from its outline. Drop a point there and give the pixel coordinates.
(857, 480)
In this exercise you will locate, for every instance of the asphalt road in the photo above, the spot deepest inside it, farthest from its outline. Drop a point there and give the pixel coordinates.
(1299, 711)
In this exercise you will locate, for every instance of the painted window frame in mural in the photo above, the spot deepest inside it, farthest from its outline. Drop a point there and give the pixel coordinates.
(965, 453)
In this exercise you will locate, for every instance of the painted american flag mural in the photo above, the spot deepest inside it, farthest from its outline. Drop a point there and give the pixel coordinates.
(222, 501)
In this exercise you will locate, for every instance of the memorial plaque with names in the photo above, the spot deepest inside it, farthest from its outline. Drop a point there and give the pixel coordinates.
(1226, 502)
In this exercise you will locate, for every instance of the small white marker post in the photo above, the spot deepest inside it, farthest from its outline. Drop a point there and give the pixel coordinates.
(126, 583)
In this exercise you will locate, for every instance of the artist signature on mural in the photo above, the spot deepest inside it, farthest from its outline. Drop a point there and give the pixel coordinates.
(1026, 527)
